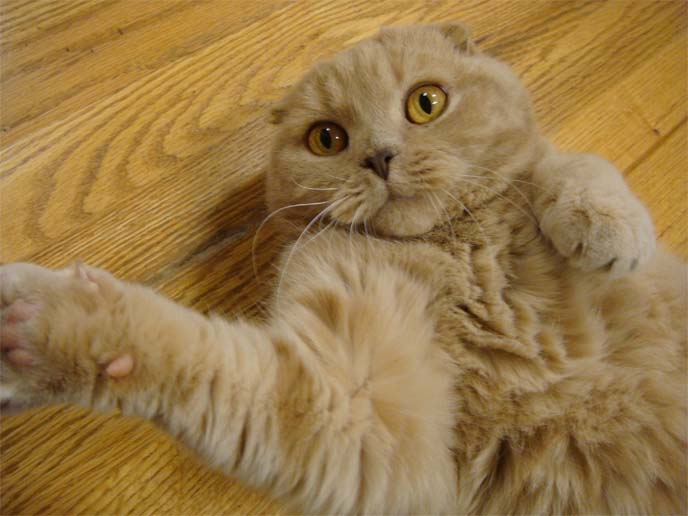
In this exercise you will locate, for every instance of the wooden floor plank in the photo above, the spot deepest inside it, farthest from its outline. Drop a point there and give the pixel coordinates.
(132, 136)
(633, 114)
(661, 180)
(100, 48)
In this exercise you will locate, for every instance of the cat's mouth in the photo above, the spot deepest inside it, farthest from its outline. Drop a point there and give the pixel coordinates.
(395, 195)
(405, 215)
(392, 210)
(400, 190)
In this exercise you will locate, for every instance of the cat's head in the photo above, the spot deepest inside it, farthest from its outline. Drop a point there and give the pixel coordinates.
(399, 132)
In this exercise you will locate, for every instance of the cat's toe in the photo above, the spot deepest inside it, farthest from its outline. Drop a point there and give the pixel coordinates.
(608, 234)
(14, 340)
(43, 348)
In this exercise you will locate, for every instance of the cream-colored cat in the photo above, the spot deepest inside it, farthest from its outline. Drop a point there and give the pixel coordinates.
(471, 322)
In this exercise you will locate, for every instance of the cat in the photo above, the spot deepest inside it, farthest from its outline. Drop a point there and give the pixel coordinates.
(467, 321)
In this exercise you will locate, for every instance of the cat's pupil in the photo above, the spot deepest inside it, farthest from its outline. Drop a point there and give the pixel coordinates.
(325, 138)
(425, 103)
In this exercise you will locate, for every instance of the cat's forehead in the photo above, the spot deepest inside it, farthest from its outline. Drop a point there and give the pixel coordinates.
(369, 76)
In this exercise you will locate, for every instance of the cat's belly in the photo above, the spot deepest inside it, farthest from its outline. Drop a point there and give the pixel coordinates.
(565, 378)
(519, 296)
(500, 286)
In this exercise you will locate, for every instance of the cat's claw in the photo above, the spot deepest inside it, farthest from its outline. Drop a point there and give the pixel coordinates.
(596, 231)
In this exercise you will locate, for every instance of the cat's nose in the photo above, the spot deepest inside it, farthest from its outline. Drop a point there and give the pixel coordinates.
(379, 163)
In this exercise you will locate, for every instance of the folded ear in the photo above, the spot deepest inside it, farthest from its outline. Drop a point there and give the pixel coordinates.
(460, 35)
(277, 113)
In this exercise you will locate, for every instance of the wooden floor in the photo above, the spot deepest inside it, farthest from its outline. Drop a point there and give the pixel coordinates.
(133, 137)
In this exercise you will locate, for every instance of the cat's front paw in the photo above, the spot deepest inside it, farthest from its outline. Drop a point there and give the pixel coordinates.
(49, 330)
(598, 230)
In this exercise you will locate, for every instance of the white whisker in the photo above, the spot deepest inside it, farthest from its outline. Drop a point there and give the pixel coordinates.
(296, 244)
(365, 228)
(465, 208)
(351, 226)
(498, 194)
(333, 177)
(255, 237)
(313, 188)
(446, 213)
(328, 226)
(507, 181)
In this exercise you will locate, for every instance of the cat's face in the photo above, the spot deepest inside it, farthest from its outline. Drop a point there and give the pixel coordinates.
(399, 132)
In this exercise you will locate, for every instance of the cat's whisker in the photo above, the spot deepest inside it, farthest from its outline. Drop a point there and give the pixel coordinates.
(508, 183)
(498, 194)
(545, 190)
(465, 208)
(328, 226)
(398, 181)
(313, 188)
(531, 183)
(265, 220)
(446, 213)
(352, 224)
(504, 180)
(365, 229)
(296, 244)
(334, 177)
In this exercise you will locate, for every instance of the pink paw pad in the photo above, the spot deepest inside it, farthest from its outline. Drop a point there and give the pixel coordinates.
(20, 311)
(19, 357)
(12, 344)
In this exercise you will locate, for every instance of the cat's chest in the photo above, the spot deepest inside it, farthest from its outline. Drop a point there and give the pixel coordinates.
(486, 282)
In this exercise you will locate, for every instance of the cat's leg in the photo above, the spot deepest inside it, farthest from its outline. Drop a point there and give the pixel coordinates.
(587, 211)
(340, 404)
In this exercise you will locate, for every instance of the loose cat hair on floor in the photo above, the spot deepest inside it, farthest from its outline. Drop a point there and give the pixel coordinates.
(467, 321)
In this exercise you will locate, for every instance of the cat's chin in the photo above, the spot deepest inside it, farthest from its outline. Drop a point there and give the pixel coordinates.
(404, 217)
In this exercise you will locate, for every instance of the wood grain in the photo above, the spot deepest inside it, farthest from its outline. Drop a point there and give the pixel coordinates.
(133, 137)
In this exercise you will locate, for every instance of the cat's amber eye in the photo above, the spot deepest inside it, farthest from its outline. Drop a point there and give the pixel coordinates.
(326, 139)
(425, 103)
